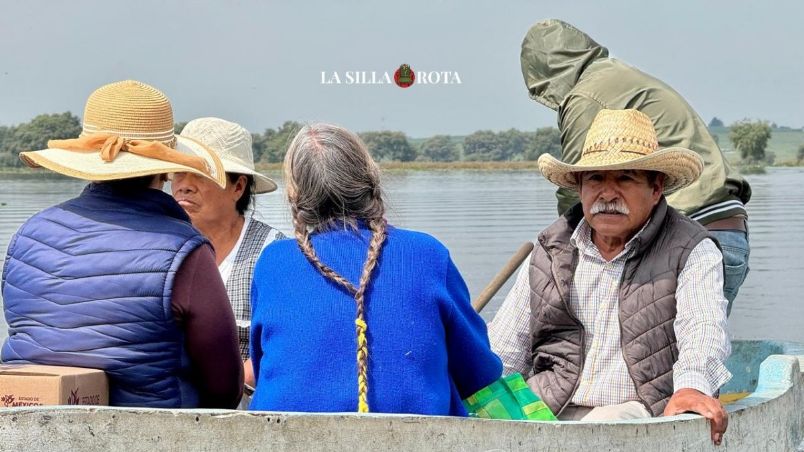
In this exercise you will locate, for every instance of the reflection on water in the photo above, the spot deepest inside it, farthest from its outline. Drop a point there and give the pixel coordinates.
(483, 217)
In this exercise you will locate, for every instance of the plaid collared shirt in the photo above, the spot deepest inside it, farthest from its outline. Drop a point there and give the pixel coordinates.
(700, 323)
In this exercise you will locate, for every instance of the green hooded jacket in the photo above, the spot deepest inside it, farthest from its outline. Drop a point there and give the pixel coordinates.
(568, 71)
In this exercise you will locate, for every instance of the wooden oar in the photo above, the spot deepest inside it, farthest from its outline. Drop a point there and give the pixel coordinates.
(505, 273)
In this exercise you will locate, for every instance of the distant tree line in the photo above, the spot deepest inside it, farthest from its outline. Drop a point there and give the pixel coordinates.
(750, 139)
(33, 135)
(393, 146)
(270, 145)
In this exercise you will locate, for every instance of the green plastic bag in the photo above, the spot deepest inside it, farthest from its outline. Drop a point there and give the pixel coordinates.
(508, 398)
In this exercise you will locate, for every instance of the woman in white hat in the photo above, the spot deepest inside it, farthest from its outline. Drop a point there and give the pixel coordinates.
(117, 279)
(221, 213)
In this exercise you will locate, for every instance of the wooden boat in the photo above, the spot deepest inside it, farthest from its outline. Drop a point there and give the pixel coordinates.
(769, 418)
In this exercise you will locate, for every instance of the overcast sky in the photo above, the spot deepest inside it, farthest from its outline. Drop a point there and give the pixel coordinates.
(259, 63)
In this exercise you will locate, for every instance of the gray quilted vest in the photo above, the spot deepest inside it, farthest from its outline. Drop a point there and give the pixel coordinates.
(647, 307)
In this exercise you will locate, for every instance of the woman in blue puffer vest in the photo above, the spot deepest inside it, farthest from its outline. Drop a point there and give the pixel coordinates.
(117, 279)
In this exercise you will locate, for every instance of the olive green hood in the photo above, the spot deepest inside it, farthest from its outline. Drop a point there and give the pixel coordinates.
(554, 54)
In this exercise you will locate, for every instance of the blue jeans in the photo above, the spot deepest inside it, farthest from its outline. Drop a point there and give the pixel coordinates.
(734, 244)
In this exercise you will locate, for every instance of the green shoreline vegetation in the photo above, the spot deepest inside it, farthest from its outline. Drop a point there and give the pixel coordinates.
(393, 167)
(750, 146)
(386, 166)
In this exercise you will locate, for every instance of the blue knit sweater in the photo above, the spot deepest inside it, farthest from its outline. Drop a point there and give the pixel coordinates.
(427, 348)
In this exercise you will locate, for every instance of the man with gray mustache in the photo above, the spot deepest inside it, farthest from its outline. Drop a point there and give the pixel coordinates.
(567, 71)
(614, 206)
(620, 312)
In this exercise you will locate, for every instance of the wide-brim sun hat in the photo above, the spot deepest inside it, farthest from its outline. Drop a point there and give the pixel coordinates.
(233, 144)
(127, 131)
(625, 140)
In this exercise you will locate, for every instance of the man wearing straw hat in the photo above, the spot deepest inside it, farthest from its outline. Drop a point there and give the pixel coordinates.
(567, 71)
(620, 313)
(117, 279)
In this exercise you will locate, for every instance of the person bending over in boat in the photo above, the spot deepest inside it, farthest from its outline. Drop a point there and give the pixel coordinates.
(567, 71)
(118, 279)
(620, 312)
(221, 214)
(355, 314)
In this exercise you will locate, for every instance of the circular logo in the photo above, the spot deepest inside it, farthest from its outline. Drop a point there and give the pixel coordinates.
(404, 76)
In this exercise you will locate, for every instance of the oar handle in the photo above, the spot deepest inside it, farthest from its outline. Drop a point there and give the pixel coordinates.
(505, 273)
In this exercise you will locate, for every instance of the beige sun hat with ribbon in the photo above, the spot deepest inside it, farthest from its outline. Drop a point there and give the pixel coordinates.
(625, 140)
(127, 132)
(232, 143)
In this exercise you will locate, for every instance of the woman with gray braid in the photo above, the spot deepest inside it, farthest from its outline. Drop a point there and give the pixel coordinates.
(355, 314)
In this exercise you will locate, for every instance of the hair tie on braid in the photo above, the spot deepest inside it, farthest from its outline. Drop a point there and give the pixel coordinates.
(362, 374)
(378, 229)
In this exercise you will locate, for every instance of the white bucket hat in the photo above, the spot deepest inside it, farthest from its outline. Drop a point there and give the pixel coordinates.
(232, 143)
(625, 140)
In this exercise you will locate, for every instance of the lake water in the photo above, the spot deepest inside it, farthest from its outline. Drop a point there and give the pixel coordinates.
(483, 217)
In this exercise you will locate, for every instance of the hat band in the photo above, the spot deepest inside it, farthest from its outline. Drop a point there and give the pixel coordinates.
(110, 145)
(165, 136)
(637, 145)
(615, 152)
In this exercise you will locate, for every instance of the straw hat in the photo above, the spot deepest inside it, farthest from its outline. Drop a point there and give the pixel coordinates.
(127, 132)
(625, 140)
(232, 143)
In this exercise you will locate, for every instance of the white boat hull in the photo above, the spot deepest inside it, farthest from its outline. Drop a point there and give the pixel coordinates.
(770, 419)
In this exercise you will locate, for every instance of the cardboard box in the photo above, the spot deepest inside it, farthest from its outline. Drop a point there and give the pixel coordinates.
(34, 385)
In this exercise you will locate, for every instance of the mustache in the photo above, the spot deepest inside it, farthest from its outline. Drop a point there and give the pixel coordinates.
(614, 206)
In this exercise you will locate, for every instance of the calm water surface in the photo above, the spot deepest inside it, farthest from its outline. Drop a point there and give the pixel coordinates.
(483, 217)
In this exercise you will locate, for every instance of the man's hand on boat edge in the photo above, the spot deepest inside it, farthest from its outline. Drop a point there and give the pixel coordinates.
(693, 401)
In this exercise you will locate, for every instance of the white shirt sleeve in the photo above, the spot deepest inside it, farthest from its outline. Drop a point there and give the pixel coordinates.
(700, 325)
(509, 331)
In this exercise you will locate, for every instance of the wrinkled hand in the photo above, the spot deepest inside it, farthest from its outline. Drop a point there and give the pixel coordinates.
(691, 400)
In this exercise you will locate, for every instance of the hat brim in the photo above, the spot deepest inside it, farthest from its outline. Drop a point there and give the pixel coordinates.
(681, 167)
(262, 184)
(90, 166)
